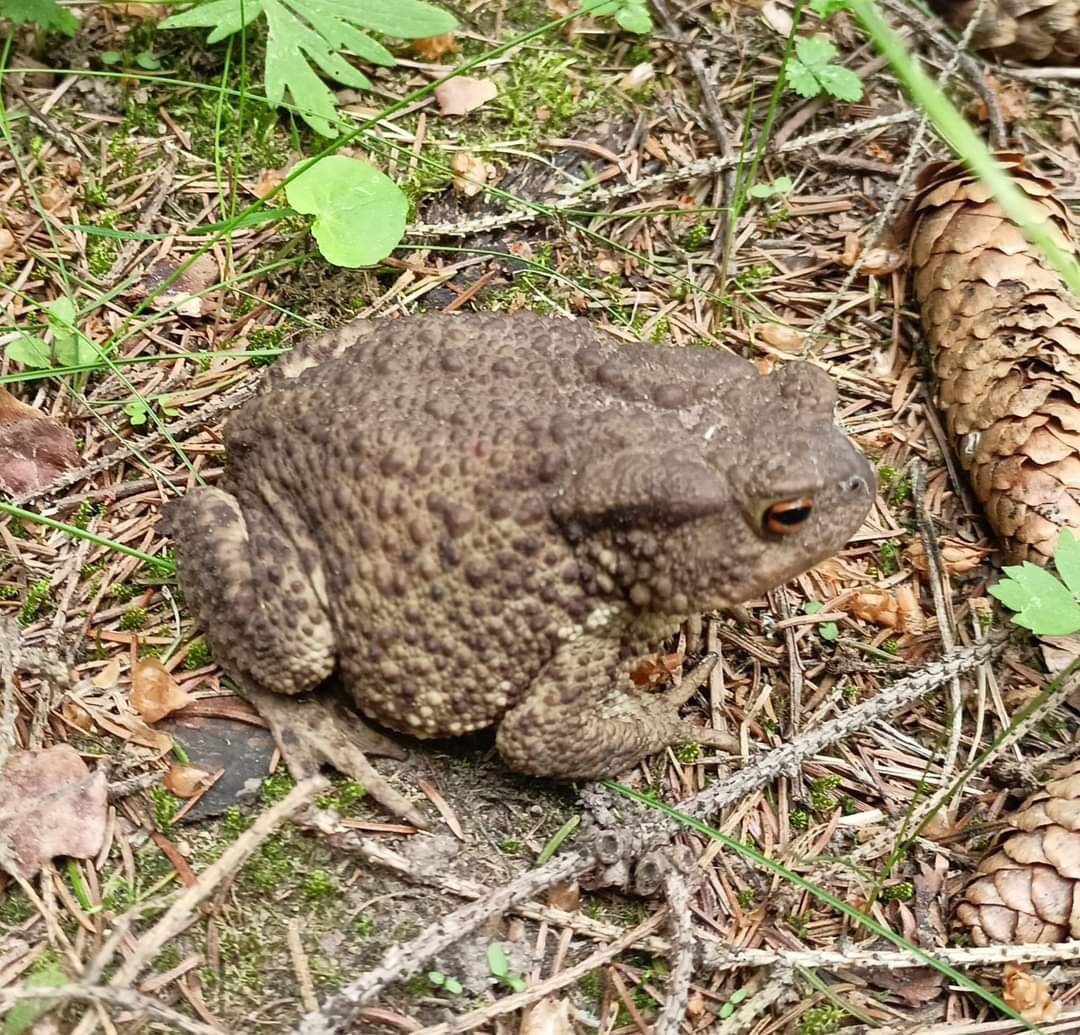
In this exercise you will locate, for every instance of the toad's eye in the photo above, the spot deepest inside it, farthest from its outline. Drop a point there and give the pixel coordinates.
(786, 516)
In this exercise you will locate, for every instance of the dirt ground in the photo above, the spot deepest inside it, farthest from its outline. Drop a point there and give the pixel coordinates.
(630, 150)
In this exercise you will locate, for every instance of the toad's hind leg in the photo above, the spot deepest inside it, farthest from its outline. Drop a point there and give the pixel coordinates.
(584, 719)
(243, 577)
(265, 615)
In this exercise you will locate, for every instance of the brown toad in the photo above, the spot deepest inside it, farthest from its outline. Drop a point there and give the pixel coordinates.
(487, 520)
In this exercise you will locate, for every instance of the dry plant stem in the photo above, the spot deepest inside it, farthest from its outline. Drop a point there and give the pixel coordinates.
(690, 171)
(887, 841)
(122, 998)
(519, 1000)
(721, 957)
(684, 943)
(402, 961)
(936, 578)
(376, 853)
(786, 757)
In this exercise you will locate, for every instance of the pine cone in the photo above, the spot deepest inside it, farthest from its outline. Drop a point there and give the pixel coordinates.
(1024, 30)
(1028, 890)
(1004, 337)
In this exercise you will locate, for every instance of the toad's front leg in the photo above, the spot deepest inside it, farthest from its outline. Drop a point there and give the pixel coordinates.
(265, 615)
(583, 718)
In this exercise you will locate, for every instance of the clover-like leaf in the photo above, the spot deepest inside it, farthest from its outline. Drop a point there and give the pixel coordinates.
(1043, 603)
(359, 212)
(1067, 561)
(811, 70)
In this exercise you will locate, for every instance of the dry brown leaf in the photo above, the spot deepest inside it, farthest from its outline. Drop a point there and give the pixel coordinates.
(656, 669)
(463, 93)
(431, 48)
(269, 181)
(912, 619)
(34, 449)
(565, 896)
(154, 692)
(1028, 995)
(7, 241)
(638, 76)
(550, 1016)
(471, 173)
(51, 805)
(108, 677)
(874, 605)
(884, 258)
(779, 336)
(185, 781)
(957, 558)
(146, 12)
(76, 715)
(184, 294)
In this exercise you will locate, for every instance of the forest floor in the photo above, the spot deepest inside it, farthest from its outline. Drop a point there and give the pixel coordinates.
(634, 154)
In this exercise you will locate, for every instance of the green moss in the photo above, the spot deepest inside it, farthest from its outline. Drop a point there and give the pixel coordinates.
(134, 619)
(276, 787)
(344, 797)
(36, 598)
(9, 591)
(903, 892)
(165, 806)
(319, 885)
(122, 592)
(890, 558)
(688, 753)
(799, 819)
(746, 898)
(822, 798)
(198, 655)
(363, 926)
(15, 908)
(821, 1020)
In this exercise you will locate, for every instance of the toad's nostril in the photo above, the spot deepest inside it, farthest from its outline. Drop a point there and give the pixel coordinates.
(854, 485)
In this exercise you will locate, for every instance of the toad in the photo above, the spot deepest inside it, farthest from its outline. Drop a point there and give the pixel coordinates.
(490, 520)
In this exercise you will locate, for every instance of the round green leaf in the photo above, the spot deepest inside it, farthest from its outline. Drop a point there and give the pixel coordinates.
(359, 212)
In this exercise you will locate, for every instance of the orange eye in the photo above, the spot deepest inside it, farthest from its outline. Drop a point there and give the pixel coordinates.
(786, 516)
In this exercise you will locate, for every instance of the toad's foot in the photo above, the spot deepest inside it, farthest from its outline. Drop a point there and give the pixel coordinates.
(583, 720)
(312, 732)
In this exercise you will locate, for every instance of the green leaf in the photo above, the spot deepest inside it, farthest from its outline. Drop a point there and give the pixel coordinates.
(812, 607)
(436, 977)
(303, 33)
(46, 14)
(71, 347)
(497, 961)
(815, 51)
(842, 83)
(801, 79)
(110, 57)
(137, 412)
(1043, 603)
(827, 8)
(515, 983)
(359, 212)
(30, 351)
(24, 1014)
(1067, 560)
(145, 59)
(453, 986)
(635, 18)
(405, 19)
(829, 632)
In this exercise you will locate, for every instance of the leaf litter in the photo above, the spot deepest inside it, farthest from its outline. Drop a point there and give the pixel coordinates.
(655, 269)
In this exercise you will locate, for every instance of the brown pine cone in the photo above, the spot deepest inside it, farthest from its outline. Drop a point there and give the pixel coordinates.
(1028, 890)
(1004, 337)
(1024, 30)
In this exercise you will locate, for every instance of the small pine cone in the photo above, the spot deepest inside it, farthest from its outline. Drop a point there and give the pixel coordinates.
(1004, 337)
(1045, 31)
(1028, 889)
